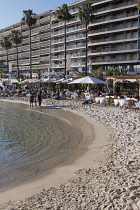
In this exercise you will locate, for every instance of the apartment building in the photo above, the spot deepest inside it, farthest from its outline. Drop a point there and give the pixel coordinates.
(75, 38)
(41, 39)
(114, 35)
(113, 39)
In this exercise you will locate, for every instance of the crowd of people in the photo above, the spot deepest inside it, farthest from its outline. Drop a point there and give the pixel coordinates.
(35, 95)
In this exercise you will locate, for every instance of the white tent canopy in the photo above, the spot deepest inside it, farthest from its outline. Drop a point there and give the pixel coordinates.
(14, 80)
(50, 80)
(88, 80)
(65, 80)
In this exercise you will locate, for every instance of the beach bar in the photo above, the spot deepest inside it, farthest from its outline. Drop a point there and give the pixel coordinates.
(122, 79)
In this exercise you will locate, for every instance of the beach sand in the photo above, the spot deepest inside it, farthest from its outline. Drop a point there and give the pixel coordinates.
(89, 153)
(102, 174)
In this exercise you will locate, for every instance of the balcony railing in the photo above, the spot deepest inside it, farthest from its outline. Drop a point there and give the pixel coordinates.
(58, 57)
(110, 7)
(111, 40)
(112, 60)
(110, 29)
(73, 55)
(75, 46)
(58, 65)
(72, 65)
(72, 29)
(69, 47)
(102, 1)
(113, 50)
(71, 38)
(78, 64)
(108, 19)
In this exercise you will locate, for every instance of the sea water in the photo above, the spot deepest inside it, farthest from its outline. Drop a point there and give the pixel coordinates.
(31, 142)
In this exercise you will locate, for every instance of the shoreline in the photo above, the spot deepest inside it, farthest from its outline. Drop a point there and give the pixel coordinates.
(114, 183)
(87, 154)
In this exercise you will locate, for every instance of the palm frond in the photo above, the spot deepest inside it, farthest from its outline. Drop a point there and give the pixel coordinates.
(62, 13)
(85, 13)
(16, 37)
(138, 3)
(29, 18)
(6, 43)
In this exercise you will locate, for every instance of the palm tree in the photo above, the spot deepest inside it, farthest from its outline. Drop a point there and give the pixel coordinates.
(138, 3)
(30, 20)
(16, 39)
(63, 14)
(1, 72)
(85, 15)
(6, 44)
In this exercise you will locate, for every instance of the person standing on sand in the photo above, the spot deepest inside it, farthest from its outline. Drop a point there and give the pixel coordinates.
(35, 102)
(31, 100)
(39, 98)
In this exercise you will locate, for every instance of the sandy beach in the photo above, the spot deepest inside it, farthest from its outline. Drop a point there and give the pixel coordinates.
(102, 173)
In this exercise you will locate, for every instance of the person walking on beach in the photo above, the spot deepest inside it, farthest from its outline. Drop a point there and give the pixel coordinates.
(39, 98)
(31, 100)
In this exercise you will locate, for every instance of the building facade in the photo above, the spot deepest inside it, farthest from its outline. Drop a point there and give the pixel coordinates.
(75, 38)
(114, 35)
(41, 39)
(113, 40)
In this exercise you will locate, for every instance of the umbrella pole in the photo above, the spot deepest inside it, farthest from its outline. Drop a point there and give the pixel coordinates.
(88, 87)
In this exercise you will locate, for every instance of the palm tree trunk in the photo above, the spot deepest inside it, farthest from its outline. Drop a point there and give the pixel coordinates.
(86, 51)
(7, 61)
(65, 52)
(30, 54)
(17, 63)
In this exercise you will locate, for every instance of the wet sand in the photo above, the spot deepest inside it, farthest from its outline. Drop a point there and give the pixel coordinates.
(88, 153)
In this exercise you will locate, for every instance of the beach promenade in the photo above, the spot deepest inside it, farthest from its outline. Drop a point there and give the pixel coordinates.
(103, 172)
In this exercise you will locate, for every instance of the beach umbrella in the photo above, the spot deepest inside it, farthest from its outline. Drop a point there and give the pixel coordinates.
(50, 80)
(26, 81)
(88, 80)
(14, 80)
(65, 80)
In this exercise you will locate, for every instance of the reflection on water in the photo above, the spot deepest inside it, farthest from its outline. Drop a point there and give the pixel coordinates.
(31, 142)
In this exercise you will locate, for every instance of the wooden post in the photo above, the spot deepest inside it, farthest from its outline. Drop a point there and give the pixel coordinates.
(139, 87)
(114, 88)
(139, 90)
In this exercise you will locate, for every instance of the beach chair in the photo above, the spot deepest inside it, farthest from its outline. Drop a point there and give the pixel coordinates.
(131, 105)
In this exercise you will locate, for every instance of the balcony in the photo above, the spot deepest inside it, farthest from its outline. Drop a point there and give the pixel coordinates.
(111, 30)
(113, 19)
(74, 37)
(113, 62)
(77, 55)
(44, 51)
(77, 64)
(58, 24)
(76, 47)
(69, 39)
(100, 2)
(113, 8)
(59, 57)
(110, 41)
(111, 51)
(58, 41)
(61, 24)
(58, 65)
(74, 55)
(68, 31)
(59, 49)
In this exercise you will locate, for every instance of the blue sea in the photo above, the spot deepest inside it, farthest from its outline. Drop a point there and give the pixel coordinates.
(32, 142)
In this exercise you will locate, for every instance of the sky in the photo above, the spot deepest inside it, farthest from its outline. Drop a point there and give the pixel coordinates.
(11, 11)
